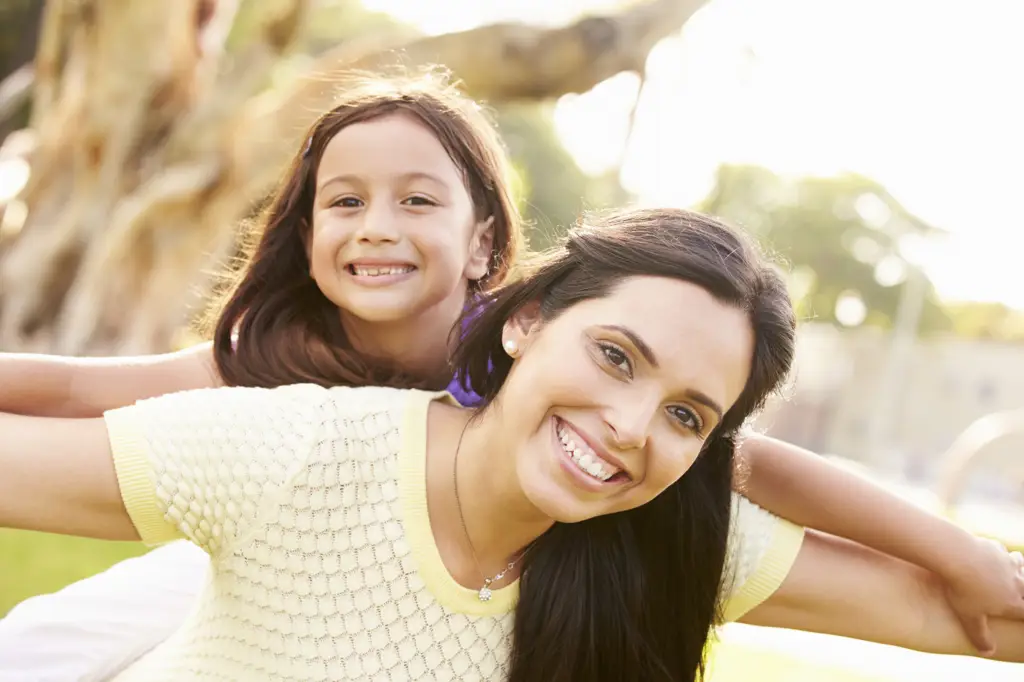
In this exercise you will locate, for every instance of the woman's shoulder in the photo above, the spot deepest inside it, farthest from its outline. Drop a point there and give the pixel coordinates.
(314, 393)
(357, 403)
(307, 403)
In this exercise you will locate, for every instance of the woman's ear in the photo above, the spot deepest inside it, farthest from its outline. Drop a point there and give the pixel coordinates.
(520, 328)
(481, 245)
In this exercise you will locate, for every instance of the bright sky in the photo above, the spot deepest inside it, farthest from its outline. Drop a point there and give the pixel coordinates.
(925, 96)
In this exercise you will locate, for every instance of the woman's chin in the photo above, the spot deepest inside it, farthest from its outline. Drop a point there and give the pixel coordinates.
(556, 503)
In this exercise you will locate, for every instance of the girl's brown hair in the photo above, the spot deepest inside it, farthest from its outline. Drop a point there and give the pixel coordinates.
(634, 595)
(273, 324)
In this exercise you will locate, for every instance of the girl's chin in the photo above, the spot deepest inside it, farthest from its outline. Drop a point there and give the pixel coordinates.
(380, 309)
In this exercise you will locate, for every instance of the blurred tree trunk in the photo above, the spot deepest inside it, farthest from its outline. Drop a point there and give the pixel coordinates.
(147, 145)
(19, 28)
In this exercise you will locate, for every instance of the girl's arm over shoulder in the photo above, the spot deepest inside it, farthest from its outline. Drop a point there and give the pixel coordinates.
(57, 386)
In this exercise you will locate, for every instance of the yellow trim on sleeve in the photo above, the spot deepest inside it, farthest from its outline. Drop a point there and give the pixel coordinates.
(133, 470)
(773, 568)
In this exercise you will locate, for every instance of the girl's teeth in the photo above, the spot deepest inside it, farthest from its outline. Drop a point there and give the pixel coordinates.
(581, 455)
(370, 271)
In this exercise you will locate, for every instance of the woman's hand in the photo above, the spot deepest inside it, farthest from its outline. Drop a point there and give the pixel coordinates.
(986, 582)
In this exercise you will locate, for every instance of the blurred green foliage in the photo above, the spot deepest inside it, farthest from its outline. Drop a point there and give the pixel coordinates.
(838, 234)
(38, 563)
(553, 190)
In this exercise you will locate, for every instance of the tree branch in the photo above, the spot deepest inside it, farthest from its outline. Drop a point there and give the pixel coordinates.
(500, 62)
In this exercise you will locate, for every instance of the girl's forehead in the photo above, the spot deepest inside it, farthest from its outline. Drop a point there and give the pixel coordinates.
(388, 147)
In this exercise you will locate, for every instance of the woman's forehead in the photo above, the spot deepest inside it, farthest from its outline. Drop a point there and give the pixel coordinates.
(691, 337)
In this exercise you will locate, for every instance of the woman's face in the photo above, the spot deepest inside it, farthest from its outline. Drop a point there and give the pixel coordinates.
(617, 395)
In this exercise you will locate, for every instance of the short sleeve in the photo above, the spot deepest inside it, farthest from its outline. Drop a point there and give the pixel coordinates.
(762, 549)
(199, 464)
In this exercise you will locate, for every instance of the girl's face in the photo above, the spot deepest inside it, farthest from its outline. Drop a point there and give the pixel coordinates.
(612, 400)
(394, 233)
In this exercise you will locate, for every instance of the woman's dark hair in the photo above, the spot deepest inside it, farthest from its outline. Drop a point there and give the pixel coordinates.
(273, 325)
(633, 596)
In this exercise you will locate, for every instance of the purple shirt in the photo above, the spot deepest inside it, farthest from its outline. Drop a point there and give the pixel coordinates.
(462, 393)
(465, 396)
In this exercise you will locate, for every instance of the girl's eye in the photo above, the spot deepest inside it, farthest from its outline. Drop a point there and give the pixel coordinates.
(347, 202)
(617, 358)
(687, 418)
(419, 201)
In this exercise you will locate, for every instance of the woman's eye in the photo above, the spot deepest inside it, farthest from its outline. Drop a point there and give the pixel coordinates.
(419, 201)
(687, 418)
(617, 358)
(347, 202)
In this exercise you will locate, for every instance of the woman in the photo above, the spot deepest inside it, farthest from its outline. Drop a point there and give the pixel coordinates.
(376, 532)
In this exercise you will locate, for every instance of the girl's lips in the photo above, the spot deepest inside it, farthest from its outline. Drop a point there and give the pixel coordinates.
(379, 274)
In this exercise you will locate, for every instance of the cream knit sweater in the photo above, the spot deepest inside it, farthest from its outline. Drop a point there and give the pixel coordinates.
(312, 505)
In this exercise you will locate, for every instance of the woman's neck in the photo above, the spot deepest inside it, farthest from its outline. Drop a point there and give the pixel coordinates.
(490, 517)
(418, 345)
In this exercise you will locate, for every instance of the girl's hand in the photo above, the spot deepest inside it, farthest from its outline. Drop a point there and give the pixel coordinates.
(988, 581)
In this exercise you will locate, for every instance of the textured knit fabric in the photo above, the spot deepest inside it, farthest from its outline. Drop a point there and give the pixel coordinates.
(312, 505)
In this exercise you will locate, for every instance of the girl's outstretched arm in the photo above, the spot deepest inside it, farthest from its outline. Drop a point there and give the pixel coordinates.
(56, 386)
(841, 588)
(980, 578)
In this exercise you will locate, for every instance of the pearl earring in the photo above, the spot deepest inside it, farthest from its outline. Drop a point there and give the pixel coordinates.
(511, 347)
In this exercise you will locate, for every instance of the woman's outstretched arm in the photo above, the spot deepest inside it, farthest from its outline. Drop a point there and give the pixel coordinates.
(167, 465)
(841, 588)
(981, 579)
(57, 476)
(56, 386)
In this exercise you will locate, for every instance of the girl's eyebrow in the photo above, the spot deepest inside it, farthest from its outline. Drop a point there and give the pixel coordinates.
(355, 179)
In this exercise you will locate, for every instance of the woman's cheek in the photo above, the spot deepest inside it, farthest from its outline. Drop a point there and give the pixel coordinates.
(677, 467)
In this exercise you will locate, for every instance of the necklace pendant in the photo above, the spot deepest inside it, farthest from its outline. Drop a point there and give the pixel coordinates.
(484, 594)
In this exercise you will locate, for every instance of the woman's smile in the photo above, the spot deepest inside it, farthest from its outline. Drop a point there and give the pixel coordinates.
(589, 467)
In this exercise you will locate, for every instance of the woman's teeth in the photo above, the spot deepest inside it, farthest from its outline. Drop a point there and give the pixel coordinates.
(584, 458)
(374, 270)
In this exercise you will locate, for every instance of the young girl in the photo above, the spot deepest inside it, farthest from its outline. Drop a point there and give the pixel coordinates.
(396, 209)
(378, 533)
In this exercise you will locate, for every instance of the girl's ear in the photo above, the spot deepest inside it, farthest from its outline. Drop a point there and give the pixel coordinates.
(481, 245)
